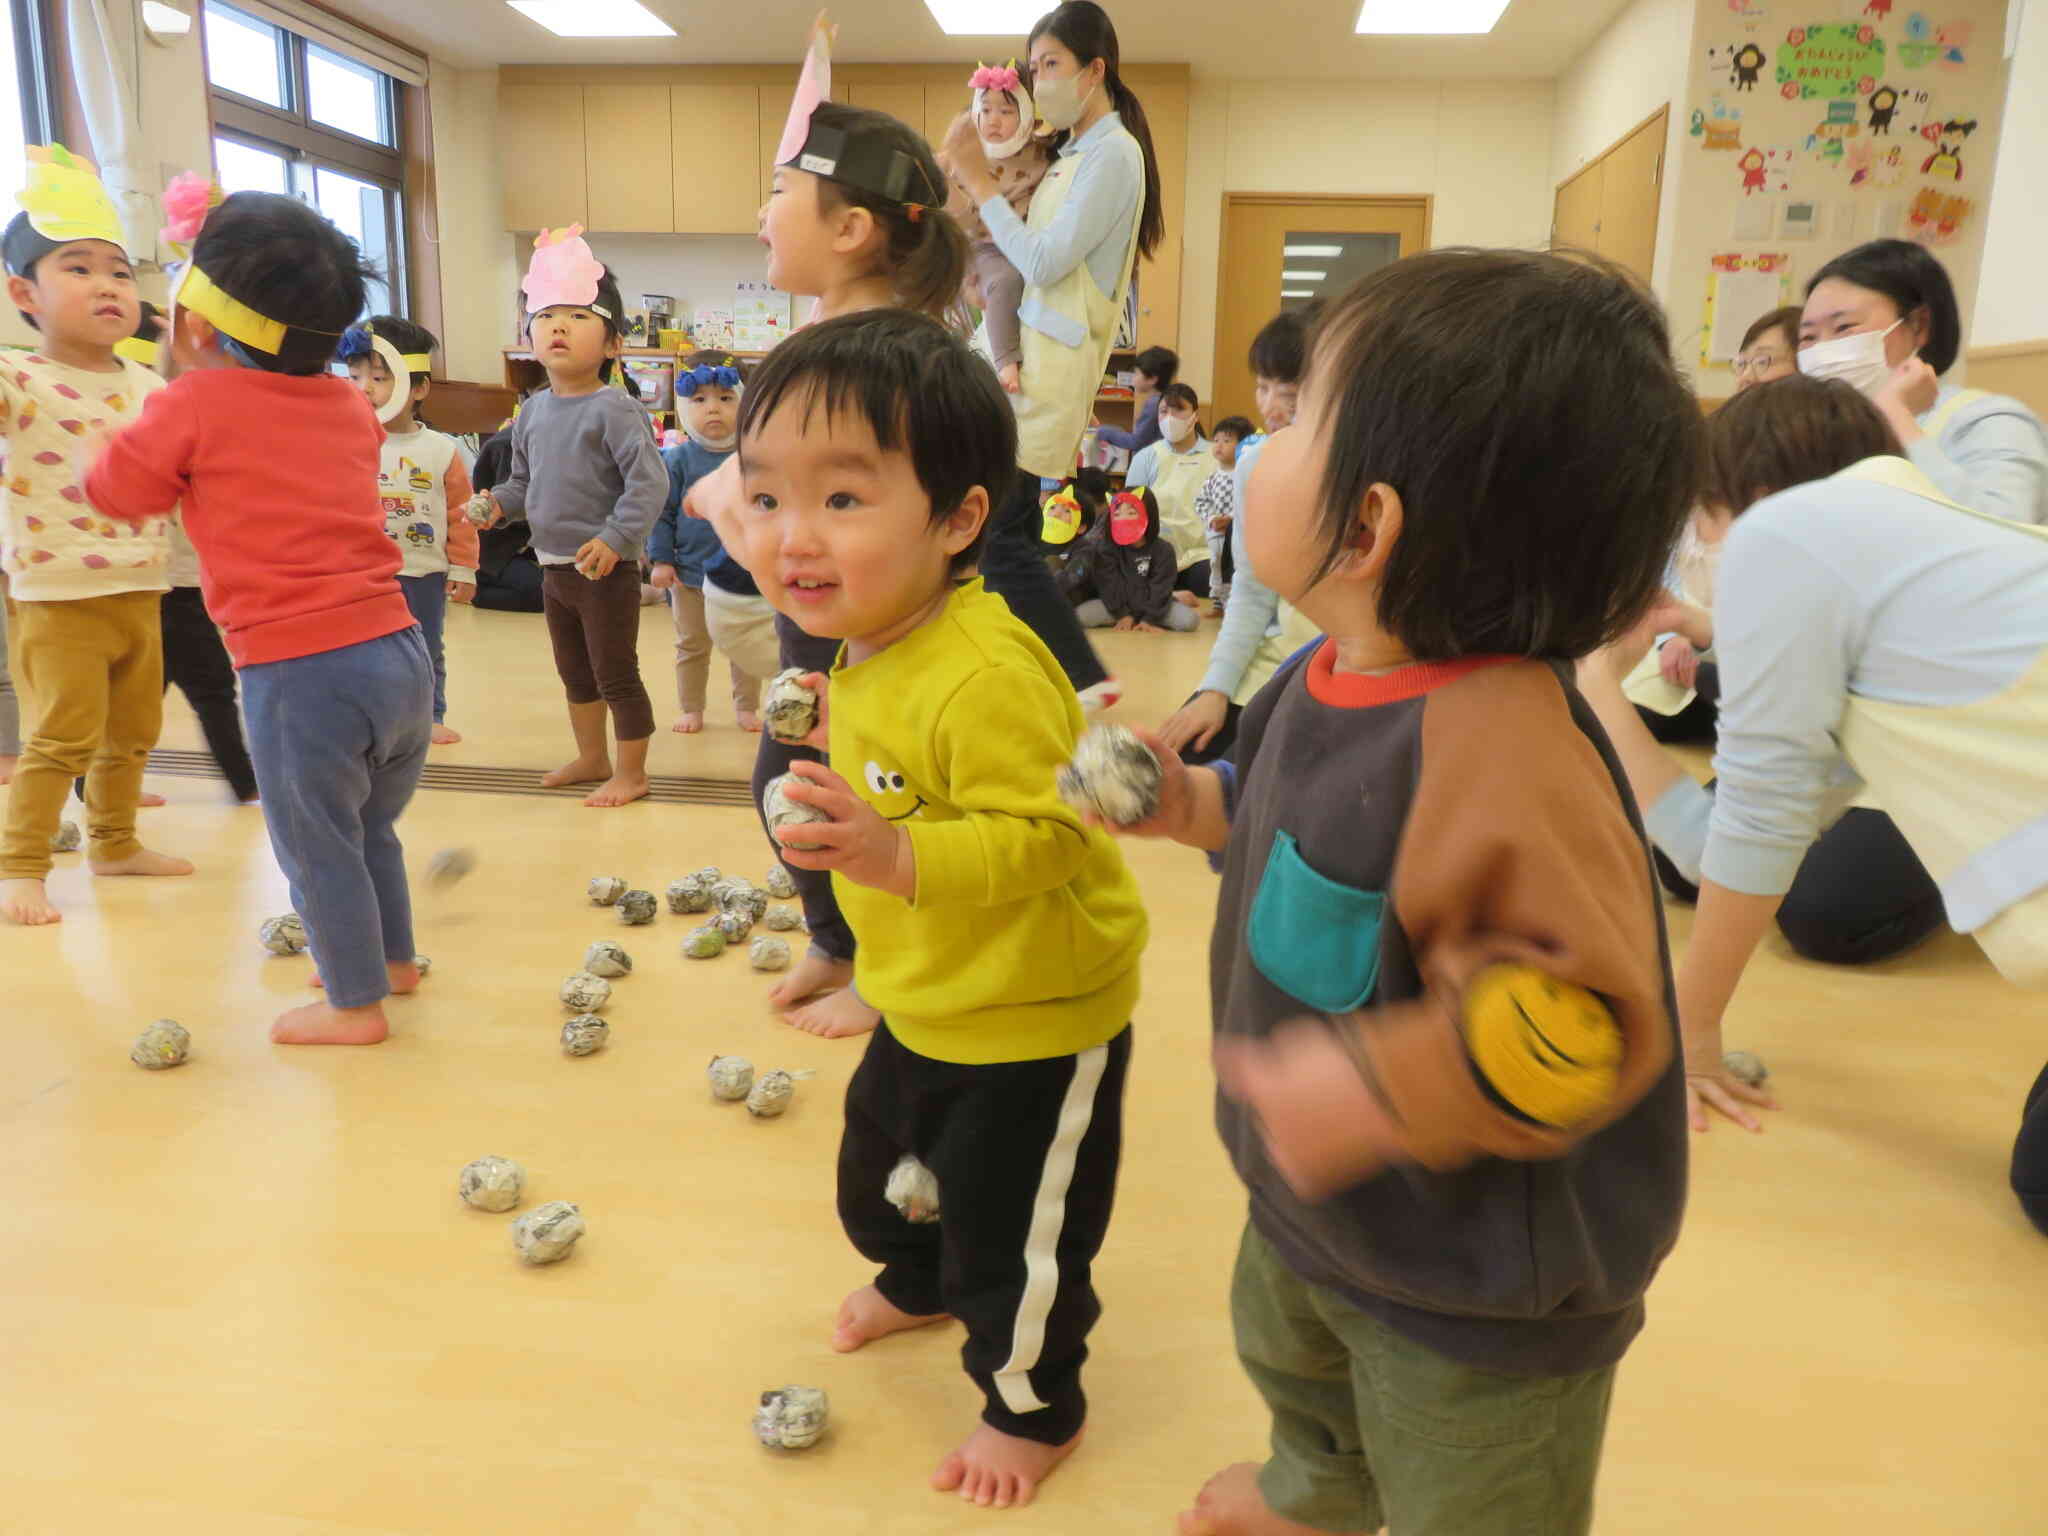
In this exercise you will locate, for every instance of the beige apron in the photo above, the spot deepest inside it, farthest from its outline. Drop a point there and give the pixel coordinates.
(1176, 478)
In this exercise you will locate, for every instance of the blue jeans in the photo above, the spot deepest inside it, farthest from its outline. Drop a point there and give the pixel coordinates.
(338, 739)
(427, 597)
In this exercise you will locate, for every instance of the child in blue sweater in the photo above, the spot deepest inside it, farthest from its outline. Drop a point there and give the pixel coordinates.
(708, 389)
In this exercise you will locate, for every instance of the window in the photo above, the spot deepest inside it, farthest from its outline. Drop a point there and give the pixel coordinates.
(23, 61)
(295, 116)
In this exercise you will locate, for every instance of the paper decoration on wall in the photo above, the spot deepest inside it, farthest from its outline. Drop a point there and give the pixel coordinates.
(1747, 8)
(1831, 134)
(1871, 164)
(1740, 290)
(1722, 129)
(1952, 39)
(1937, 218)
(1926, 44)
(1947, 137)
(1878, 10)
(1838, 59)
(1747, 65)
(1884, 101)
(1754, 175)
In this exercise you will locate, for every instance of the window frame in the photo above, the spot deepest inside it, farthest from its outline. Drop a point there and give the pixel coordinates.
(32, 55)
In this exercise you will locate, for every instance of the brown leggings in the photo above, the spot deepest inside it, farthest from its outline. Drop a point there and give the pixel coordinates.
(595, 628)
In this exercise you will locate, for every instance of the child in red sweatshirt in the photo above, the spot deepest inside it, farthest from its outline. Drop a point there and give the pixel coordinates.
(275, 460)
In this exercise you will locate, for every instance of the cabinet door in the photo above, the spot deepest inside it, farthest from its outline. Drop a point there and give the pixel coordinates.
(902, 102)
(540, 146)
(1166, 109)
(1629, 195)
(941, 105)
(772, 112)
(718, 185)
(1575, 220)
(626, 160)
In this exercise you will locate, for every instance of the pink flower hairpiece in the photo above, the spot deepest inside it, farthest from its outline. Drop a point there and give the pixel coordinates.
(187, 201)
(995, 77)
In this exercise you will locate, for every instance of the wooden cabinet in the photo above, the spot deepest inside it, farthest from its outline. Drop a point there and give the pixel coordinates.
(772, 111)
(717, 192)
(1166, 110)
(1611, 206)
(541, 147)
(903, 102)
(941, 105)
(627, 158)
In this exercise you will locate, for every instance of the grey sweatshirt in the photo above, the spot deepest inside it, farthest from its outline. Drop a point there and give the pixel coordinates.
(584, 467)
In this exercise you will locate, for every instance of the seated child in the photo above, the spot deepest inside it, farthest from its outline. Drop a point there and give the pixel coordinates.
(1004, 119)
(1176, 468)
(1216, 502)
(1443, 1008)
(294, 562)
(1073, 530)
(1133, 571)
(421, 478)
(999, 938)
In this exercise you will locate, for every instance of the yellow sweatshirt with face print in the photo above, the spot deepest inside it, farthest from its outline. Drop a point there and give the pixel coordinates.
(1023, 938)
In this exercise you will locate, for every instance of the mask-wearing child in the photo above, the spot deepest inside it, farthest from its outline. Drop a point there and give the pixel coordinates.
(421, 479)
(1133, 572)
(1003, 118)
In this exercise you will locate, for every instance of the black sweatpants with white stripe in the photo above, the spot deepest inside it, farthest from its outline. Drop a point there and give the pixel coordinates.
(1026, 1157)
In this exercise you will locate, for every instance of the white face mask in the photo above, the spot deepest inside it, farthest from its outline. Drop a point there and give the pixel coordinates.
(1176, 429)
(1060, 102)
(1857, 360)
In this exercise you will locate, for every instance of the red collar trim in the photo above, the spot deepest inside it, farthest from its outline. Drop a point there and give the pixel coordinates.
(1353, 690)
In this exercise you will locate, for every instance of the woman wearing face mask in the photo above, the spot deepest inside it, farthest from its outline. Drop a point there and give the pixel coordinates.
(1883, 317)
(1176, 467)
(1095, 213)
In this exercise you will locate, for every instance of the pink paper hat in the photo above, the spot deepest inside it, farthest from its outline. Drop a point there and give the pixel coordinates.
(563, 271)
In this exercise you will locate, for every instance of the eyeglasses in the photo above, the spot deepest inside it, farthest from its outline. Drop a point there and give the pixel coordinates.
(1758, 362)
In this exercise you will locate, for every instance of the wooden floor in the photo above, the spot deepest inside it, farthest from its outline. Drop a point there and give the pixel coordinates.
(242, 1299)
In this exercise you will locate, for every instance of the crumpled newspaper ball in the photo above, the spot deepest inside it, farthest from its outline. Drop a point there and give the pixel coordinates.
(732, 1077)
(585, 1035)
(791, 1418)
(779, 884)
(637, 908)
(735, 924)
(692, 893)
(545, 1234)
(779, 811)
(67, 838)
(768, 954)
(585, 993)
(771, 1094)
(166, 1043)
(607, 958)
(1113, 775)
(789, 710)
(914, 1190)
(782, 919)
(706, 943)
(709, 874)
(450, 865)
(284, 935)
(491, 1183)
(739, 896)
(1746, 1067)
(606, 890)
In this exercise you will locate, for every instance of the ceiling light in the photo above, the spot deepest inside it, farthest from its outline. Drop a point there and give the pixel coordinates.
(1429, 18)
(160, 20)
(1325, 251)
(986, 18)
(594, 18)
(1297, 293)
(1303, 277)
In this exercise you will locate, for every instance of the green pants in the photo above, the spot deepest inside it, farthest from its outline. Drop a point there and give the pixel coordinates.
(1371, 1429)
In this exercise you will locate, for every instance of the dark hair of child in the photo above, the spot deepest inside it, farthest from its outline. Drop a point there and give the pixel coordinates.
(1159, 364)
(712, 358)
(1183, 394)
(609, 300)
(401, 333)
(286, 262)
(1526, 409)
(1092, 488)
(1913, 279)
(918, 388)
(1785, 433)
(1786, 320)
(926, 249)
(1239, 427)
(1280, 350)
(1084, 28)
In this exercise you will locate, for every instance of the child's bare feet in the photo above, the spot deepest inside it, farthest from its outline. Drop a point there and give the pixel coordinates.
(749, 721)
(145, 862)
(1230, 1504)
(835, 1016)
(1187, 599)
(691, 723)
(999, 1471)
(8, 762)
(866, 1315)
(445, 736)
(620, 789)
(25, 902)
(1011, 377)
(808, 978)
(150, 802)
(325, 1024)
(405, 978)
(585, 770)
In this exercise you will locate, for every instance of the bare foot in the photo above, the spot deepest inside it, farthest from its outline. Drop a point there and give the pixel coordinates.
(749, 721)
(619, 789)
(150, 802)
(324, 1024)
(808, 978)
(8, 763)
(1230, 1504)
(866, 1316)
(444, 736)
(147, 862)
(405, 978)
(1187, 599)
(835, 1016)
(999, 1471)
(25, 902)
(585, 770)
(691, 723)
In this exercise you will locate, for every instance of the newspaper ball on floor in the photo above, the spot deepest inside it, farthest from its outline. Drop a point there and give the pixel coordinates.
(545, 1234)
(423, 964)
(1113, 775)
(768, 954)
(585, 993)
(166, 1043)
(637, 908)
(735, 924)
(739, 896)
(67, 838)
(1746, 1067)
(779, 884)
(284, 935)
(791, 1418)
(692, 893)
(789, 710)
(779, 811)
(706, 943)
(732, 1077)
(770, 1095)
(710, 874)
(450, 865)
(914, 1190)
(606, 890)
(782, 919)
(491, 1184)
(585, 1035)
(607, 958)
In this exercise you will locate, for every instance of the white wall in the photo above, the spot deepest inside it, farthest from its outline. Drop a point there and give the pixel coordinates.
(2012, 301)
(1481, 149)
(698, 271)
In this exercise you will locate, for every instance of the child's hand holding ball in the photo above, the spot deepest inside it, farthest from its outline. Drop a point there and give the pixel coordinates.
(596, 559)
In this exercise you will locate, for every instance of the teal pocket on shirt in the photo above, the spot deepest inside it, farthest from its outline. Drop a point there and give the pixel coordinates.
(1312, 937)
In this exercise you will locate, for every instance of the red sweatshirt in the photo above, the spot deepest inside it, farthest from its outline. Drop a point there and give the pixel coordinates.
(278, 477)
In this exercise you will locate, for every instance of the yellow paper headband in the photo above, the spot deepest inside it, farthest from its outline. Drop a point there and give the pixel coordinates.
(196, 292)
(417, 362)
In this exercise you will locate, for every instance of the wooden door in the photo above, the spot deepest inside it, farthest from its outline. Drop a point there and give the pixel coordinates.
(1337, 240)
(1629, 195)
(627, 160)
(540, 147)
(717, 192)
(1576, 221)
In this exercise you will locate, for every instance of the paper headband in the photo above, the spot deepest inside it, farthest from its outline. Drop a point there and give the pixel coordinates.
(65, 201)
(1004, 78)
(705, 376)
(853, 159)
(360, 339)
(563, 271)
(230, 316)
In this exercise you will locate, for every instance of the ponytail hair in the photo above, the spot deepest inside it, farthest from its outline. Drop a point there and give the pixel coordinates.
(1087, 32)
(924, 250)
